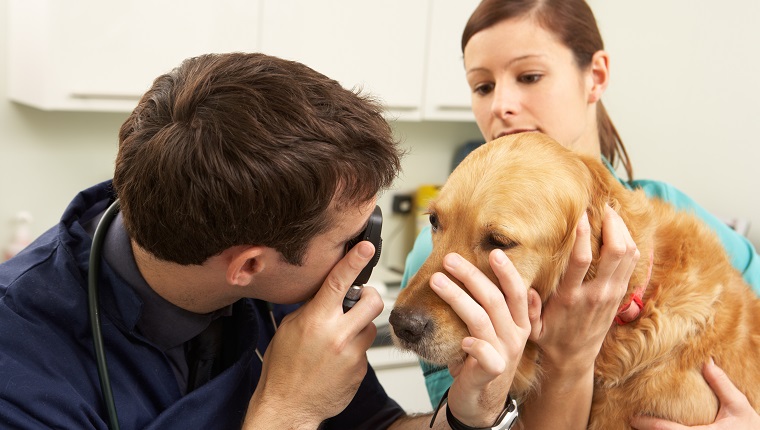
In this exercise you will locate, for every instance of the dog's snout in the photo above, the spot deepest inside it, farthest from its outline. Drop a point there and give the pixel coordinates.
(409, 325)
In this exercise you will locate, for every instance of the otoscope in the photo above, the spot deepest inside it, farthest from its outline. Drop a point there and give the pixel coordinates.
(372, 234)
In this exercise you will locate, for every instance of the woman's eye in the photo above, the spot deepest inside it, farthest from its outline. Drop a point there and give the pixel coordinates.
(530, 78)
(483, 89)
(433, 222)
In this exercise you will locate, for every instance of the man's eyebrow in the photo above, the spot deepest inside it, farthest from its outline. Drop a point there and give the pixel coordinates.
(364, 227)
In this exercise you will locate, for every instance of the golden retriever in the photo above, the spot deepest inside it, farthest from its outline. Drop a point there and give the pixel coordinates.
(525, 193)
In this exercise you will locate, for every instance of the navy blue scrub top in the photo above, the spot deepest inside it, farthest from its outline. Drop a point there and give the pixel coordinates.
(48, 374)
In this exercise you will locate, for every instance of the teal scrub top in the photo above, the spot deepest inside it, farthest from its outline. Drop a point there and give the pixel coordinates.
(743, 256)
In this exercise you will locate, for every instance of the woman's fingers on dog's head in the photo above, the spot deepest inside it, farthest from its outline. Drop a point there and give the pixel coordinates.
(618, 248)
(487, 313)
(490, 362)
(534, 314)
(468, 310)
(472, 309)
(489, 296)
(580, 257)
(512, 286)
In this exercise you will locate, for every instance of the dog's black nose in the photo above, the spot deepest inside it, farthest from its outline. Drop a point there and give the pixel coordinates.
(408, 324)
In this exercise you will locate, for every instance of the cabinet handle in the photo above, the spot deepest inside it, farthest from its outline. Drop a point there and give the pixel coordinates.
(127, 97)
(453, 108)
(401, 108)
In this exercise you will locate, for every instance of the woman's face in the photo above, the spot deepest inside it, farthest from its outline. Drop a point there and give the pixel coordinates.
(524, 79)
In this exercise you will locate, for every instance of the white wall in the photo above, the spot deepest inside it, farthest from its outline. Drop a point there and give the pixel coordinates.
(685, 96)
(46, 157)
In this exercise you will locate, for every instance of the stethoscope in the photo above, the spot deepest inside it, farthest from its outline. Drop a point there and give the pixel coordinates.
(96, 254)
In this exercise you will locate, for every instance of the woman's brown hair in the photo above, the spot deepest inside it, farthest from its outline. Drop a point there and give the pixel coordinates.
(247, 149)
(573, 22)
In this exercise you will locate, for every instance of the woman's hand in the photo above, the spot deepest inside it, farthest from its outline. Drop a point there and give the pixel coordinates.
(499, 329)
(317, 359)
(576, 319)
(574, 323)
(735, 412)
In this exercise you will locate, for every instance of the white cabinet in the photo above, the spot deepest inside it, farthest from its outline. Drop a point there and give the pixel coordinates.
(96, 55)
(93, 55)
(400, 374)
(378, 46)
(447, 95)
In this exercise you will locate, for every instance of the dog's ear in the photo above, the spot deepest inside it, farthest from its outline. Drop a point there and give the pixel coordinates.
(601, 193)
(587, 198)
(562, 257)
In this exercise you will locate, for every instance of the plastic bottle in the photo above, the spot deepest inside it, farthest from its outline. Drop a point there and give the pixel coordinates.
(422, 198)
(22, 236)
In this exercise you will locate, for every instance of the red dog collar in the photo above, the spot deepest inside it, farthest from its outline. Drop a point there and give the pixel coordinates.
(630, 310)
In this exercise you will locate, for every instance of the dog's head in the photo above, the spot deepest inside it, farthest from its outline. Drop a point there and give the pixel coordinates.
(522, 193)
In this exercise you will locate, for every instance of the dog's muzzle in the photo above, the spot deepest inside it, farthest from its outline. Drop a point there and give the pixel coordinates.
(410, 326)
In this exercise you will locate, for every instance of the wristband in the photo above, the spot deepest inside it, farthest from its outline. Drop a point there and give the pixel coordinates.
(506, 419)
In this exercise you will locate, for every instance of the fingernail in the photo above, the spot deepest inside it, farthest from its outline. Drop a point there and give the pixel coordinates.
(467, 342)
(438, 280)
(499, 257)
(453, 260)
(365, 250)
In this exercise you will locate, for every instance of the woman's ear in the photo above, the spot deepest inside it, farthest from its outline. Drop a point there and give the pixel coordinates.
(244, 263)
(599, 76)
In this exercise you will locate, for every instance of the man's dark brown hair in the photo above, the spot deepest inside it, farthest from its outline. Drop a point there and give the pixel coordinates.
(247, 149)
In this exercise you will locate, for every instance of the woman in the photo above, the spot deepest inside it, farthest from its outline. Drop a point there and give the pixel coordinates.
(541, 65)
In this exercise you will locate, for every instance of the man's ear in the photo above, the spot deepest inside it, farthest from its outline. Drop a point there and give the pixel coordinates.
(244, 263)
(599, 76)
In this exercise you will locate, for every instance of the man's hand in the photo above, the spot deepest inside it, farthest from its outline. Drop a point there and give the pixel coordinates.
(317, 359)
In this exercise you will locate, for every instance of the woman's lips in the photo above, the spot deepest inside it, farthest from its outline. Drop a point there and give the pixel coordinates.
(515, 131)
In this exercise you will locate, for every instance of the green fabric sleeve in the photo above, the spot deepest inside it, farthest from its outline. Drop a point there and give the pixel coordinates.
(437, 379)
(743, 255)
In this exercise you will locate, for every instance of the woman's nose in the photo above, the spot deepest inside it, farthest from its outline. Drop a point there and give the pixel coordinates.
(505, 101)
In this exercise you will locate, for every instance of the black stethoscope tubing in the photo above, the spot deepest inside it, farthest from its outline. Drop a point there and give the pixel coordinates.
(96, 253)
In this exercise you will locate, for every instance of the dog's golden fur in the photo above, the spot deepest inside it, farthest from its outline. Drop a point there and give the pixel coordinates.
(526, 193)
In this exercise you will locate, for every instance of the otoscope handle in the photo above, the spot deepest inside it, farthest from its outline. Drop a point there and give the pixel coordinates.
(353, 296)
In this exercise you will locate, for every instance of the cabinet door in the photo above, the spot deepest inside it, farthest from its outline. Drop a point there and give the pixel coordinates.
(375, 45)
(447, 95)
(96, 55)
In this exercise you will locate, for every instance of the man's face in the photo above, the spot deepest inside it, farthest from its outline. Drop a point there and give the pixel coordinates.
(286, 283)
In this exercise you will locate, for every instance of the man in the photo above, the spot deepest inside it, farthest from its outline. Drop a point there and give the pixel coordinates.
(240, 179)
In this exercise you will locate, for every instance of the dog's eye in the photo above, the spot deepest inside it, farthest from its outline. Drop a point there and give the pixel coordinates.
(497, 241)
(433, 221)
